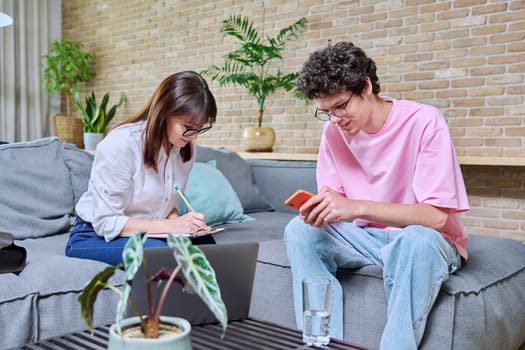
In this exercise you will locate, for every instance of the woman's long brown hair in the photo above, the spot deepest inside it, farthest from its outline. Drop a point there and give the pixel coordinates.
(184, 93)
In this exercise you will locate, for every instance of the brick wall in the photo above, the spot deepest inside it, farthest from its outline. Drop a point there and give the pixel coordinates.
(466, 57)
(497, 201)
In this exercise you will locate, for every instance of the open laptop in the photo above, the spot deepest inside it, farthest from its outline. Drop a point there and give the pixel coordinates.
(234, 266)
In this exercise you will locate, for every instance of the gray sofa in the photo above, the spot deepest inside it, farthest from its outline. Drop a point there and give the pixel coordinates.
(481, 307)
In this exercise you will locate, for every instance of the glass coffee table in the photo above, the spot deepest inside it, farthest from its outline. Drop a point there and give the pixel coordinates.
(242, 335)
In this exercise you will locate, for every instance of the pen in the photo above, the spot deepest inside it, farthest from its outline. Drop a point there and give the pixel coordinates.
(186, 201)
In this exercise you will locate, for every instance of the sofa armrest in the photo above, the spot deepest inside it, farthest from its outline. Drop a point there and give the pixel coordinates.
(278, 179)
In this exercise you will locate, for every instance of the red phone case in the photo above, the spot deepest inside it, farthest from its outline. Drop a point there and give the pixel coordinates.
(297, 199)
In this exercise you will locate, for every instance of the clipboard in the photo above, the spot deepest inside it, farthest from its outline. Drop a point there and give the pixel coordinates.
(189, 235)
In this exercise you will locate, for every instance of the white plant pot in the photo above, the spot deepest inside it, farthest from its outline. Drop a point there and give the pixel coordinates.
(91, 139)
(179, 341)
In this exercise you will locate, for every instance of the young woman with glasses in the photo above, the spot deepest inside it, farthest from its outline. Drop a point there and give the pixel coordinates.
(390, 190)
(136, 167)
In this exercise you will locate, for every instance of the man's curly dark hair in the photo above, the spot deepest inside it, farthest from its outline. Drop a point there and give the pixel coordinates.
(335, 69)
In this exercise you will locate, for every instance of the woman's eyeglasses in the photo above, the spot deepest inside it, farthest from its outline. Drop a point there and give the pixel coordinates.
(192, 131)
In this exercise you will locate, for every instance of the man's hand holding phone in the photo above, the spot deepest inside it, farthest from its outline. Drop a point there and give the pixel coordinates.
(321, 209)
(301, 202)
(297, 199)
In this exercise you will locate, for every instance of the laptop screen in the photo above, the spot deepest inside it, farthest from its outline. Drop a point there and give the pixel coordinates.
(234, 266)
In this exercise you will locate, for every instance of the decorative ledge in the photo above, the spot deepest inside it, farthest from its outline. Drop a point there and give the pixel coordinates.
(492, 161)
(464, 160)
(279, 156)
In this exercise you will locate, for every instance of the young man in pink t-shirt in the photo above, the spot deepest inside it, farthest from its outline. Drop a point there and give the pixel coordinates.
(390, 190)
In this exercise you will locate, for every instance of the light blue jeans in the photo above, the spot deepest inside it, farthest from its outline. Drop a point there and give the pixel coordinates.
(415, 260)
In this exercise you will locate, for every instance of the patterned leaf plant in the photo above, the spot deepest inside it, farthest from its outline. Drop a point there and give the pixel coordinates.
(198, 273)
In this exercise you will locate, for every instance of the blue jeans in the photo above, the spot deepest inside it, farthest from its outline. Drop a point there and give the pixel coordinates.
(84, 243)
(414, 256)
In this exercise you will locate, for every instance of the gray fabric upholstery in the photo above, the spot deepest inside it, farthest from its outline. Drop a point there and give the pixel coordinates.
(484, 313)
(40, 183)
(280, 179)
(28, 208)
(267, 226)
(481, 307)
(239, 174)
(41, 301)
(489, 295)
(79, 164)
(272, 296)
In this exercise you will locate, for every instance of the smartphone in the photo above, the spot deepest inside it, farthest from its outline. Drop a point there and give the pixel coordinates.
(297, 199)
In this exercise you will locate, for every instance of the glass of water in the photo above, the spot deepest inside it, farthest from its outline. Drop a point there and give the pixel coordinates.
(316, 311)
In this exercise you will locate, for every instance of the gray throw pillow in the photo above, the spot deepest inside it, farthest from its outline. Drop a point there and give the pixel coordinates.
(36, 194)
(239, 174)
(79, 164)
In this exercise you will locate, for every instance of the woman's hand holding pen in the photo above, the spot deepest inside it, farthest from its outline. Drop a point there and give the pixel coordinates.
(196, 220)
(188, 223)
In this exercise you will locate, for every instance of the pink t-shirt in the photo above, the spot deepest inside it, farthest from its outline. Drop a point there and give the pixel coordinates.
(410, 160)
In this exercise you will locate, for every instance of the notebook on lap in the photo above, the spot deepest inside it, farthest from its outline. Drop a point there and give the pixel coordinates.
(234, 266)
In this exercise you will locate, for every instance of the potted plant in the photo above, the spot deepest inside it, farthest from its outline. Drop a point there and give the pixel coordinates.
(95, 117)
(199, 277)
(250, 66)
(67, 66)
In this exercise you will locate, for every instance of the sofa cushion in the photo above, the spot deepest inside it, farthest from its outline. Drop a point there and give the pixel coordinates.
(239, 174)
(272, 295)
(267, 226)
(28, 208)
(278, 179)
(210, 193)
(19, 305)
(79, 164)
(479, 307)
(488, 295)
(42, 299)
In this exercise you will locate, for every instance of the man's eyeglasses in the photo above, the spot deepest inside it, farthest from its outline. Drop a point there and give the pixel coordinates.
(191, 131)
(338, 112)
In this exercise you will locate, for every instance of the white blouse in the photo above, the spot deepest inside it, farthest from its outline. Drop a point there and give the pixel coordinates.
(120, 186)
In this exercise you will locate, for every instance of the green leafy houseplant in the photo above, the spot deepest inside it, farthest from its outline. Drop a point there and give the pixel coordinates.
(250, 66)
(66, 66)
(95, 117)
(199, 277)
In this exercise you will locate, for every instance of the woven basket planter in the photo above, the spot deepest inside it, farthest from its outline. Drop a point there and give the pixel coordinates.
(69, 129)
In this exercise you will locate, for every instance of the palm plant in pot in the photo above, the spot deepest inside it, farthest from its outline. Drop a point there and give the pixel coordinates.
(156, 330)
(250, 66)
(67, 66)
(95, 117)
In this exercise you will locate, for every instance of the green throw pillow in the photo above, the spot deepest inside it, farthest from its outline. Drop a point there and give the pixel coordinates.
(210, 193)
